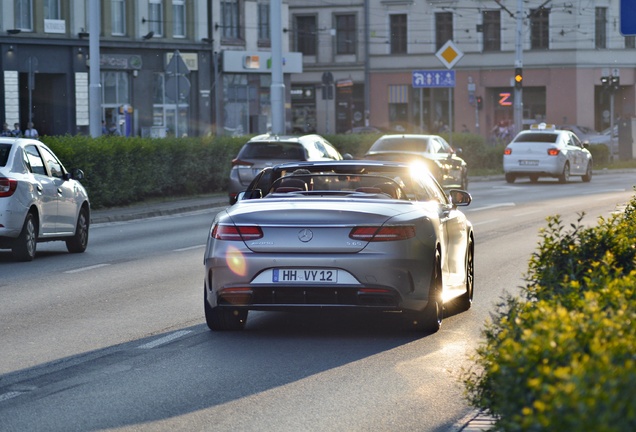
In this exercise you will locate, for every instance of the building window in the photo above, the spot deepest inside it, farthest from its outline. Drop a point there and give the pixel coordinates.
(600, 27)
(24, 14)
(491, 30)
(263, 23)
(305, 31)
(118, 17)
(540, 29)
(52, 10)
(155, 17)
(115, 93)
(443, 28)
(231, 19)
(630, 41)
(398, 33)
(346, 34)
(179, 18)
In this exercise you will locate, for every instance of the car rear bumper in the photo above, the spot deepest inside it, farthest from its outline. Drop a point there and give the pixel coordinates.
(382, 284)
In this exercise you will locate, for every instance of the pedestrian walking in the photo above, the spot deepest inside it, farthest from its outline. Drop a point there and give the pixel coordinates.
(6, 132)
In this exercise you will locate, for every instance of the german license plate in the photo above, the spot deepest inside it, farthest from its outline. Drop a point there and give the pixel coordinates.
(305, 275)
(529, 162)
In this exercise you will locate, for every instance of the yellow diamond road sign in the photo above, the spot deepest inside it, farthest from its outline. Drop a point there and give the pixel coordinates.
(449, 54)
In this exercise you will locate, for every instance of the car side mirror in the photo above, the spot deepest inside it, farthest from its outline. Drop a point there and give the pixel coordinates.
(459, 197)
(347, 156)
(75, 174)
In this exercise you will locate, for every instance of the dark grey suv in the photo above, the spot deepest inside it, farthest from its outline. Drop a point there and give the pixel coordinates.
(268, 150)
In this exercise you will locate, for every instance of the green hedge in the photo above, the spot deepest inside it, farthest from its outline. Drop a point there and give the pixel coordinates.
(562, 355)
(121, 171)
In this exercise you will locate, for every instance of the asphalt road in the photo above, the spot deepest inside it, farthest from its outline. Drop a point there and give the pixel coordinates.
(114, 339)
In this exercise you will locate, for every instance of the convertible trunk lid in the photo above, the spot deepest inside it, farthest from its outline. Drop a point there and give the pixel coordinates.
(312, 225)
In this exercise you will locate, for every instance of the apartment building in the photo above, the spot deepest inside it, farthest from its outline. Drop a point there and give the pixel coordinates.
(346, 63)
(373, 49)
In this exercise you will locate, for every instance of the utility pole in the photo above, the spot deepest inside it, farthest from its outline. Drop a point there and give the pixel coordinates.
(518, 105)
(277, 88)
(94, 85)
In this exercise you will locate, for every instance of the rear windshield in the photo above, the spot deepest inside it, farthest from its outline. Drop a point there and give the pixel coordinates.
(4, 153)
(537, 137)
(273, 150)
(401, 144)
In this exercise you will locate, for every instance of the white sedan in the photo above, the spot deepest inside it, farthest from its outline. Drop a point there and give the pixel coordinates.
(39, 199)
(545, 151)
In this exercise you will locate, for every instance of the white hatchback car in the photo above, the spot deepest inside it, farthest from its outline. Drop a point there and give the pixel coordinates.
(544, 151)
(39, 199)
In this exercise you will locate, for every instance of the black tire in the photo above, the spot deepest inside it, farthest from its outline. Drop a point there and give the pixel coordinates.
(79, 241)
(25, 245)
(465, 301)
(430, 320)
(587, 177)
(222, 319)
(565, 175)
(510, 178)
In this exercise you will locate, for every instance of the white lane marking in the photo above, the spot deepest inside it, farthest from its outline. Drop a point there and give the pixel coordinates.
(93, 267)
(188, 248)
(9, 395)
(164, 340)
(492, 207)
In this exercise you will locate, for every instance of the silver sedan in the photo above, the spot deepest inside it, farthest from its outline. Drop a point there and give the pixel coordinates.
(363, 235)
(39, 199)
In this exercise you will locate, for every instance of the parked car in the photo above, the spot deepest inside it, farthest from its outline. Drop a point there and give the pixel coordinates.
(545, 151)
(39, 199)
(450, 169)
(357, 235)
(268, 150)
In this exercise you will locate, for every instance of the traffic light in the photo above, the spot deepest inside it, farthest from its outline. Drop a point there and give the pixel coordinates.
(605, 82)
(480, 103)
(615, 82)
(518, 78)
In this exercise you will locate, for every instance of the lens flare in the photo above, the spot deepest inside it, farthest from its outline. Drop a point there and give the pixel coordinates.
(236, 261)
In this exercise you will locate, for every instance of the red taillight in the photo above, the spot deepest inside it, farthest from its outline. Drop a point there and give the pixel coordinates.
(7, 186)
(384, 233)
(508, 151)
(236, 233)
(238, 162)
(553, 152)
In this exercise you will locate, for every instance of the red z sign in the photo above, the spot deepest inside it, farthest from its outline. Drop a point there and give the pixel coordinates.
(504, 99)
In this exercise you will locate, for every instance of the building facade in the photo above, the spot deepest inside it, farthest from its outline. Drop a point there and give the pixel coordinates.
(345, 64)
(374, 48)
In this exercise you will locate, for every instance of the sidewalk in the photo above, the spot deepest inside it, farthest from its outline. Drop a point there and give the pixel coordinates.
(159, 207)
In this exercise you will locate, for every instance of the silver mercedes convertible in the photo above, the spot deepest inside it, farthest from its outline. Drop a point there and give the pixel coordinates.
(358, 235)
